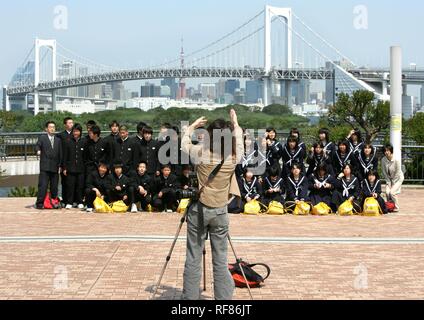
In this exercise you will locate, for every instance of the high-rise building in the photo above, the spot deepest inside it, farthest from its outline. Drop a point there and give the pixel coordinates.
(173, 85)
(254, 91)
(301, 91)
(208, 91)
(220, 88)
(165, 91)
(107, 91)
(240, 96)
(149, 90)
(329, 86)
(231, 86)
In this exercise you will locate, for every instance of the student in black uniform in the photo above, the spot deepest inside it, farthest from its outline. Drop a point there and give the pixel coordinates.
(347, 188)
(343, 156)
(273, 187)
(274, 149)
(125, 151)
(89, 125)
(294, 132)
(297, 185)
(250, 157)
(372, 189)
(149, 152)
(110, 140)
(96, 185)
(186, 179)
(169, 147)
(367, 161)
(292, 153)
(324, 137)
(96, 150)
(250, 187)
(142, 185)
(65, 136)
(316, 157)
(139, 136)
(165, 190)
(49, 149)
(355, 141)
(321, 186)
(74, 168)
(119, 185)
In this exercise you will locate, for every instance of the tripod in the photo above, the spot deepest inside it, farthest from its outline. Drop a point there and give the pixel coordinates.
(168, 258)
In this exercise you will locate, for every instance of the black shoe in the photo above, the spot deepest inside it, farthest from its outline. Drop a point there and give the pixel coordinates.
(38, 207)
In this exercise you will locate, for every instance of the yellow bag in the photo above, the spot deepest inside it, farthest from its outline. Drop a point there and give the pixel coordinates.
(101, 206)
(371, 208)
(182, 207)
(275, 208)
(302, 209)
(253, 207)
(346, 209)
(321, 209)
(119, 207)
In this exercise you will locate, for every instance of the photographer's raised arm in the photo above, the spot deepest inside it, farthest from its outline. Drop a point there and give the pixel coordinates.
(238, 135)
(186, 143)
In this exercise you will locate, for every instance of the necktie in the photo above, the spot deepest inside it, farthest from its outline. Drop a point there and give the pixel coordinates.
(52, 142)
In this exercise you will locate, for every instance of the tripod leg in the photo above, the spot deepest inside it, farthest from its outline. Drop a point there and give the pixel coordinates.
(204, 268)
(168, 258)
(241, 268)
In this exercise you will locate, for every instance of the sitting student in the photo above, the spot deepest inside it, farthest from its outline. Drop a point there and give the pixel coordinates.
(296, 133)
(273, 187)
(142, 185)
(96, 185)
(186, 180)
(343, 156)
(250, 187)
(372, 189)
(74, 168)
(292, 153)
(355, 141)
(367, 161)
(321, 186)
(347, 188)
(119, 185)
(316, 157)
(297, 185)
(165, 188)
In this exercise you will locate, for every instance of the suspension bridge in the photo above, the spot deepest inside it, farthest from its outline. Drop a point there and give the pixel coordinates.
(274, 46)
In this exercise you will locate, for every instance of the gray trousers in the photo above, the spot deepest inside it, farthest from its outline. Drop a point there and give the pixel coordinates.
(216, 222)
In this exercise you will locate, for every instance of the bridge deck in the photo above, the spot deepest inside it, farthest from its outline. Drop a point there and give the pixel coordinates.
(69, 254)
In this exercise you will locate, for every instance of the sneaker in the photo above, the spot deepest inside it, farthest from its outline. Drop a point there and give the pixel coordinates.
(169, 211)
(81, 206)
(68, 207)
(89, 210)
(134, 208)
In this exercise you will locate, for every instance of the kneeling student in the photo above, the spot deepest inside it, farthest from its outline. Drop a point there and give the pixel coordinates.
(273, 187)
(371, 188)
(166, 185)
(119, 185)
(96, 186)
(321, 186)
(250, 187)
(297, 185)
(141, 186)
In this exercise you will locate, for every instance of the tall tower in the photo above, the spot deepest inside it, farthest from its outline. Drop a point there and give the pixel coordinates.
(182, 85)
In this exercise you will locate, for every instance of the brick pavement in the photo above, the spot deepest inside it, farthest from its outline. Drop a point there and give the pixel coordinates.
(128, 270)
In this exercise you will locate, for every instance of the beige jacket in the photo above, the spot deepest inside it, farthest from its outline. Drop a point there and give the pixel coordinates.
(392, 171)
(224, 185)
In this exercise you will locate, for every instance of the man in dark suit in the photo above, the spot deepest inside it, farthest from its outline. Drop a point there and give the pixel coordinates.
(65, 136)
(49, 149)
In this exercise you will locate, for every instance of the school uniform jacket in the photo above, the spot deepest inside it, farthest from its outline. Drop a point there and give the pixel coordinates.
(365, 165)
(166, 185)
(368, 190)
(95, 180)
(340, 160)
(315, 160)
(144, 181)
(268, 183)
(250, 189)
(148, 153)
(74, 155)
(297, 190)
(292, 156)
(96, 152)
(350, 188)
(125, 152)
(322, 194)
(123, 181)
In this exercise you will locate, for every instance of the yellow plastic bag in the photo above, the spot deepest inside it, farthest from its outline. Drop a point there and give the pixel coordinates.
(321, 209)
(275, 208)
(302, 209)
(101, 206)
(182, 207)
(252, 208)
(371, 208)
(346, 209)
(119, 207)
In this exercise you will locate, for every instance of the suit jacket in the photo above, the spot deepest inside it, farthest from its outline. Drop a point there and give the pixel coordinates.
(50, 158)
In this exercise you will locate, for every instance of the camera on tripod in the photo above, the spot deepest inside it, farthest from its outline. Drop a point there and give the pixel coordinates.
(191, 193)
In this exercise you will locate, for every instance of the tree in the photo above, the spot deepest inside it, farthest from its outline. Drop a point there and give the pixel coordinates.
(276, 109)
(362, 110)
(415, 128)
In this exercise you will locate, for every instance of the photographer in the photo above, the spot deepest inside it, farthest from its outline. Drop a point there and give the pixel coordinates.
(209, 213)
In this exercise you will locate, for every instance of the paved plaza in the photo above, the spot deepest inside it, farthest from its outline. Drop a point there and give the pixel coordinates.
(74, 255)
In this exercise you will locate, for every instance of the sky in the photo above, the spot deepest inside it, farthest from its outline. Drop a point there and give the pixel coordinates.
(128, 33)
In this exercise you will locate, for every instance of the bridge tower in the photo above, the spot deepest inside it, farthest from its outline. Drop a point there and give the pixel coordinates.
(182, 85)
(38, 45)
(6, 102)
(285, 13)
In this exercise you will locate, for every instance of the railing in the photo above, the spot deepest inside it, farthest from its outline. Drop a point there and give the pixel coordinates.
(22, 146)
